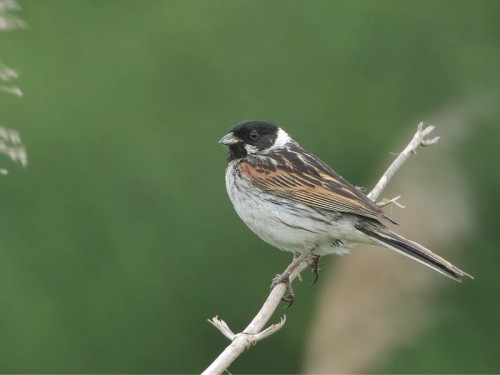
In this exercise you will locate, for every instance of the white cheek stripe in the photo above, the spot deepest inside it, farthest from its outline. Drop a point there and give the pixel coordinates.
(282, 139)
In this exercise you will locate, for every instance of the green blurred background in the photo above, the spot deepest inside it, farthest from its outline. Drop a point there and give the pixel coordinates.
(118, 240)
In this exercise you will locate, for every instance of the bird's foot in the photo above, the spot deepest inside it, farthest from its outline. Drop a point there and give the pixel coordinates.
(284, 278)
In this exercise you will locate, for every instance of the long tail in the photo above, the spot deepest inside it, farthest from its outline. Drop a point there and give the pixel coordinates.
(387, 238)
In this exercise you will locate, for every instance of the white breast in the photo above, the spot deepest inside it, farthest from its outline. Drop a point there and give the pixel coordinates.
(289, 226)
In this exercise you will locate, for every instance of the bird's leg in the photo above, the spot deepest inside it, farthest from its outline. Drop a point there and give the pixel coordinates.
(285, 276)
(315, 268)
(285, 279)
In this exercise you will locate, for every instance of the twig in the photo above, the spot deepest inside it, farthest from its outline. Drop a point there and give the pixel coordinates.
(255, 331)
(418, 140)
(384, 202)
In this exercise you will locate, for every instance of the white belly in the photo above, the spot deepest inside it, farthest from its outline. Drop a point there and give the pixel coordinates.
(291, 227)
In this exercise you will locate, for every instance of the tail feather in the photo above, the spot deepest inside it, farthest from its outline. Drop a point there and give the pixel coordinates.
(387, 238)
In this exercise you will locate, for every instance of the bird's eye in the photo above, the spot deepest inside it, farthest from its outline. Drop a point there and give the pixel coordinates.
(254, 135)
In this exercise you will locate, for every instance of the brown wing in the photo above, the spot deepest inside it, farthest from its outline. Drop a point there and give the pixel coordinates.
(294, 174)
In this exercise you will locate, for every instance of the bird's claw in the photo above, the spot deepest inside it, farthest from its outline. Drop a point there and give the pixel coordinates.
(285, 279)
(315, 269)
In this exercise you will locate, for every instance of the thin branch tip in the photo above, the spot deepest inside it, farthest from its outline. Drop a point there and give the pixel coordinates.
(422, 133)
(222, 327)
(384, 202)
(273, 328)
(427, 130)
(430, 142)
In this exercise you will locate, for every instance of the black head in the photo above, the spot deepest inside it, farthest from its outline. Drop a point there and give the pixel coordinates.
(250, 137)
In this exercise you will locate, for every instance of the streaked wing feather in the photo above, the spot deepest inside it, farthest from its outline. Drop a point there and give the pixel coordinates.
(294, 174)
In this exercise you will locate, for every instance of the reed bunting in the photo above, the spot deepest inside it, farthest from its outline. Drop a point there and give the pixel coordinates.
(295, 202)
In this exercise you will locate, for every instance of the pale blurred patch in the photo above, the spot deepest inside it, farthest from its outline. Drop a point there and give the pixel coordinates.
(12, 146)
(10, 141)
(375, 300)
(8, 20)
(8, 74)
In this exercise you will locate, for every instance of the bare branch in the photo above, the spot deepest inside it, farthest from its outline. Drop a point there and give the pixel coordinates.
(255, 331)
(418, 140)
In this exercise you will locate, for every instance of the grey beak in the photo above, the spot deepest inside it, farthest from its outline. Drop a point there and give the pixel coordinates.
(229, 139)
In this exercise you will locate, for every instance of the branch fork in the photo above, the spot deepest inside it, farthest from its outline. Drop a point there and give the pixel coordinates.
(251, 339)
(255, 331)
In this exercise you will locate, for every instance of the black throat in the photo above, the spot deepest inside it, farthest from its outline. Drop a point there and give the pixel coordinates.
(236, 151)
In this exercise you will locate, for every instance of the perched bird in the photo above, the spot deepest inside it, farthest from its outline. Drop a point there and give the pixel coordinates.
(297, 203)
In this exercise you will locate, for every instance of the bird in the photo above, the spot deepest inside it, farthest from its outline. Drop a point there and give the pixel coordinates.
(297, 203)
